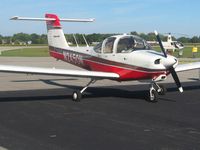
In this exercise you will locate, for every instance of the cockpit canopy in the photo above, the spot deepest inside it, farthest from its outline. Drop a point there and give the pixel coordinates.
(122, 44)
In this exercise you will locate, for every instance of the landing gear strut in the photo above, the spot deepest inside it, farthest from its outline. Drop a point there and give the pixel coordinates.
(155, 90)
(77, 95)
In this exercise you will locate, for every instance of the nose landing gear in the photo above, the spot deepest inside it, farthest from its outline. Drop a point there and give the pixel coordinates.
(154, 91)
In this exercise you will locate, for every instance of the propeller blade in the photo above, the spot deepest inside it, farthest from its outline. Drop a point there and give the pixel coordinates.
(160, 43)
(176, 79)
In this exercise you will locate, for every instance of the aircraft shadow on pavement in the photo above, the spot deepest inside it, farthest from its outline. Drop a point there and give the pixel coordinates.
(135, 92)
(51, 94)
(31, 98)
(187, 86)
(194, 79)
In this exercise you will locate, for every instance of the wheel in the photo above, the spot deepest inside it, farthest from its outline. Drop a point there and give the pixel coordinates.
(76, 96)
(163, 90)
(152, 95)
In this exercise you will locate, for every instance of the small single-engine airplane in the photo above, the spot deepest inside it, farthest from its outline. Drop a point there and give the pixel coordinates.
(119, 58)
(173, 45)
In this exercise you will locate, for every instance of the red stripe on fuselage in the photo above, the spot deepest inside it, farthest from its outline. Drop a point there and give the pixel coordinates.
(56, 55)
(124, 73)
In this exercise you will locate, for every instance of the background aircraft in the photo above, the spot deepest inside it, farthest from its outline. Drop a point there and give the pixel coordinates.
(120, 58)
(170, 46)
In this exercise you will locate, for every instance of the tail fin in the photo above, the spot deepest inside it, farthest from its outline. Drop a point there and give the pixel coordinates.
(55, 34)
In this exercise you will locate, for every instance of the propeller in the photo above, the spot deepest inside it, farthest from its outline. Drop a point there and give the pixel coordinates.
(171, 69)
(160, 43)
(176, 79)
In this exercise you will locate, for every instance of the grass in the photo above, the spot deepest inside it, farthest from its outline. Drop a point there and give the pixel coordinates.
(187, 52)
(27, 52)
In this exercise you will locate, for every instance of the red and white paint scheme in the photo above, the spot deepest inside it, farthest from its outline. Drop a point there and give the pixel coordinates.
(121, 58)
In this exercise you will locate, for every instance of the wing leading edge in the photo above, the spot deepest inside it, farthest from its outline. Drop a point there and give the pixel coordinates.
(58, 72)
(186, 67)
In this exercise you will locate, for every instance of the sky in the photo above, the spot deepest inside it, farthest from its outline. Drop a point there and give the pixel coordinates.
(112, 16)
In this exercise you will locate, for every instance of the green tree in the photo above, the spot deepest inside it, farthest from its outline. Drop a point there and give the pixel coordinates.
(195, 39)
(151, 36)
(21, 37)
(1, 37)
(144, 36)
(134, 33)
(35, 38)
(184, 39)
(43, 39)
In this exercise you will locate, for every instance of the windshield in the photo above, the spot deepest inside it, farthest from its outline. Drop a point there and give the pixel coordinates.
(130, 43)
(98, 47)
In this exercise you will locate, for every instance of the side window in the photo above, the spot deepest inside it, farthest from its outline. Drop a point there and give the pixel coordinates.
(108, 46)
(98, 47)
(125, 45)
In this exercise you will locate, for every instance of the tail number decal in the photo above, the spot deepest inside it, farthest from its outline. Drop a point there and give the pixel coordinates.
(73, 58)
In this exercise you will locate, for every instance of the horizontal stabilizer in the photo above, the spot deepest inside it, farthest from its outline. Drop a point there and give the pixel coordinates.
(51, 19)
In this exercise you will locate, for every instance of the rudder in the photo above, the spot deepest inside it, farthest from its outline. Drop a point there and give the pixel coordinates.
(55, 34)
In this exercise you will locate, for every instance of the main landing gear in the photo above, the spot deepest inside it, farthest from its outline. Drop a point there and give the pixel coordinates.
(77, 95)
(155, 90)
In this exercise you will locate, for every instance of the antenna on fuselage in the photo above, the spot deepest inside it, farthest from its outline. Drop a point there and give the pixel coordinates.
(85, 40)
(75, 40)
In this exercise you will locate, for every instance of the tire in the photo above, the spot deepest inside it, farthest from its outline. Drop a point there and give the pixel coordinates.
(152, 96)
(163, 90)
(76, 96)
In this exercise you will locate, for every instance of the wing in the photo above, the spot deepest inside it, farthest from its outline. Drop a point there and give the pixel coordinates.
(185, 67)
(58, 72)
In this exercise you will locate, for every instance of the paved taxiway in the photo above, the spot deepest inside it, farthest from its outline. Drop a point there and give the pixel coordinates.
(36, 112)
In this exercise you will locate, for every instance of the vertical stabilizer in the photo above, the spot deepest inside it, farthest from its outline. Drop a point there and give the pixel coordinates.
(55, 34)
(169, 38)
